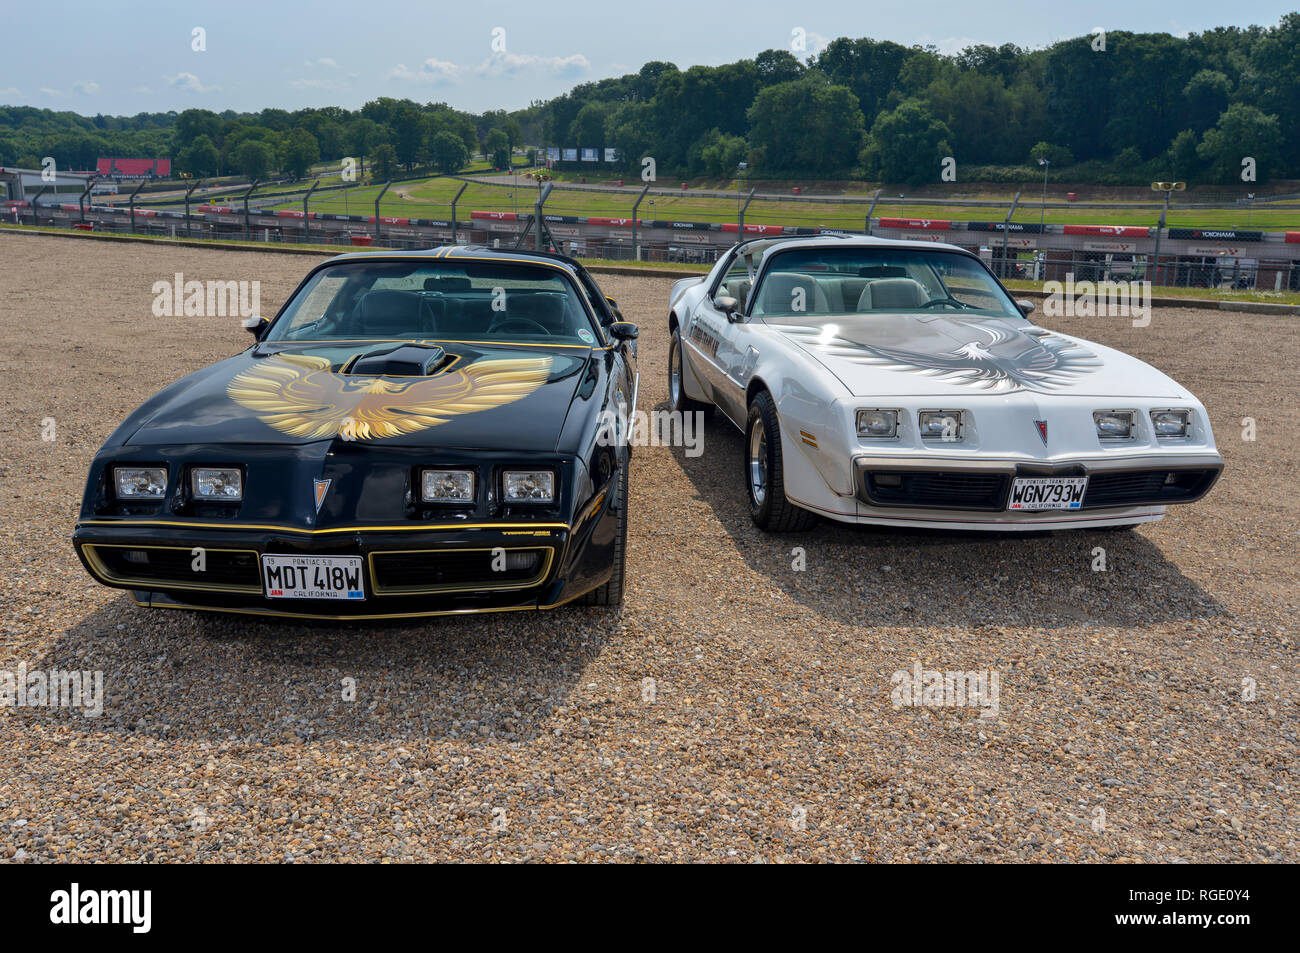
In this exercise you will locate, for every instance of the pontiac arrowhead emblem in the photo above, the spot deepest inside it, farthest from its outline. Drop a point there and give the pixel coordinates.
(322, 487)
(1040, 424)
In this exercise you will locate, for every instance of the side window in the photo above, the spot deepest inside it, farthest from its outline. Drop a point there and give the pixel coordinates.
(735, 282)
(597, 300)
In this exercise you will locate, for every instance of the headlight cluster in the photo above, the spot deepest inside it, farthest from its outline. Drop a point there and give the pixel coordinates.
(1171, 423)
(1122, 424)
(217, 483)
(459, 486)
(931, 424)
(529, 486)
(447, 486)
(940, 424)
(1114, 424)
(877, 423)
(140, 483)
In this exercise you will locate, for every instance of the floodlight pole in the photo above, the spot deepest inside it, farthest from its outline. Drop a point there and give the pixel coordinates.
(90, 183)
(459, 192)
(36, 221)
(871, 211)
(740, 224)
(1160, 227)
(1006, 231)
(131, 201)
(248, 234)
(542, 195)
(636, 248)
(377, 200)
(306, 216)
(188, 193)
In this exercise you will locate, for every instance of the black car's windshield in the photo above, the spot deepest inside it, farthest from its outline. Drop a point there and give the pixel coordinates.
(436, 299)
(805, 284)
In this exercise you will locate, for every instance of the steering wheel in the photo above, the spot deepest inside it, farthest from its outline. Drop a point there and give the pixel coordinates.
(949, 300)
(528, 325)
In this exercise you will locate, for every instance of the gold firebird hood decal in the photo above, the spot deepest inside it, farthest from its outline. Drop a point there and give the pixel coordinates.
(301, 396)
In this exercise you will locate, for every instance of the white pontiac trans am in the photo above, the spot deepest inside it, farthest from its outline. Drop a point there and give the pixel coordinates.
(897, 383)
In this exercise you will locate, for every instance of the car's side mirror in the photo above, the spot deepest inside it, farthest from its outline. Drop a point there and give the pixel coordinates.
(624, 331)
(728, 306)
(255, 325)
(1025, 305)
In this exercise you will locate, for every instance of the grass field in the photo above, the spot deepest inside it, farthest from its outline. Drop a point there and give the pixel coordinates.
(431, 198)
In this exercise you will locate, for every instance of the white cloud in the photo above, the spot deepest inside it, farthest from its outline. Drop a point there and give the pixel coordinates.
(513, 64)
(189, 83)
(432, 71)
(13, 91)
(86, 88)
(324, 61)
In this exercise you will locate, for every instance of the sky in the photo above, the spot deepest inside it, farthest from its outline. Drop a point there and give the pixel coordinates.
(130, 57)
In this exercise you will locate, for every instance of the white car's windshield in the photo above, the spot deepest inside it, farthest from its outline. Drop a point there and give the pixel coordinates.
(808, 283)
(430, 299)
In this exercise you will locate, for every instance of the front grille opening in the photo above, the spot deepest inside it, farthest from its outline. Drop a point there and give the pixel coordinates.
(1146, 486)
(459, 570)
(175, 568)
(937, 490)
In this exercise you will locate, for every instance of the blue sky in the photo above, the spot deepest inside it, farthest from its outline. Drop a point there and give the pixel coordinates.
(130, 57)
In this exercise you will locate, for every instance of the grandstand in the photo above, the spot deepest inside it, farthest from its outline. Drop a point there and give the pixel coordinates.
(115, 167)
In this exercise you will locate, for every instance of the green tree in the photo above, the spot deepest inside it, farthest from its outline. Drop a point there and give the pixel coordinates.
(301, 152)
(448, 152)
(200, 158)
(907, 144)
(254, 158)
(807, 125)
(384, 162)
(1242, 131)
(497, 145)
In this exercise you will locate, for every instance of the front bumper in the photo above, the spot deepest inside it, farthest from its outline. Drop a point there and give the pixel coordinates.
(409, 571)
(973, 493)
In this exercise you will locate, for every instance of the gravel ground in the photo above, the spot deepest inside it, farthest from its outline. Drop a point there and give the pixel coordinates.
(769, 734)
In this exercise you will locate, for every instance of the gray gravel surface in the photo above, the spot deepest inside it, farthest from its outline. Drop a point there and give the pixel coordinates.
(768, 732)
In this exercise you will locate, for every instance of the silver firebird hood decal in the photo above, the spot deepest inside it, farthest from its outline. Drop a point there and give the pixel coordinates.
(988, 356)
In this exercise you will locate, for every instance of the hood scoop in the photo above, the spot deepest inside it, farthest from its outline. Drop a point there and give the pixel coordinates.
(405, 360)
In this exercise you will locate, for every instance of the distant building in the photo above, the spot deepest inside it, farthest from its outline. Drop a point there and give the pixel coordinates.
(20, 187)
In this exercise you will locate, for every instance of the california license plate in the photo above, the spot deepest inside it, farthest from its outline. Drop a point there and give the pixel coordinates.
(313, 577)
(1047, 493)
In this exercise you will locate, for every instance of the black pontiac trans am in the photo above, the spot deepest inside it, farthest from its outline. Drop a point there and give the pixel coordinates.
(413, 434)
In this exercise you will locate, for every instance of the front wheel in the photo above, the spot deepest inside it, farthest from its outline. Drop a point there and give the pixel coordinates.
(764, 474)
(677, 396)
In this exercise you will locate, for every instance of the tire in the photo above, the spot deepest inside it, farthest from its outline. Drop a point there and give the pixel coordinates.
(611, 593)
(677, 397)
(764, 477)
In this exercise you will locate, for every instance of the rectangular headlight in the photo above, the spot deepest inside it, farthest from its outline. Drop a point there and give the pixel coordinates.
(447, 486)
(877, 423)
(529, 486)
(940, 424)
(1171, 423)
(1113, 424)
(217, 483)
(140, 483)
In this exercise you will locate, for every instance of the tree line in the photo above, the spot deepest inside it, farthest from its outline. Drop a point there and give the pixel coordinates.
(1114, 108)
